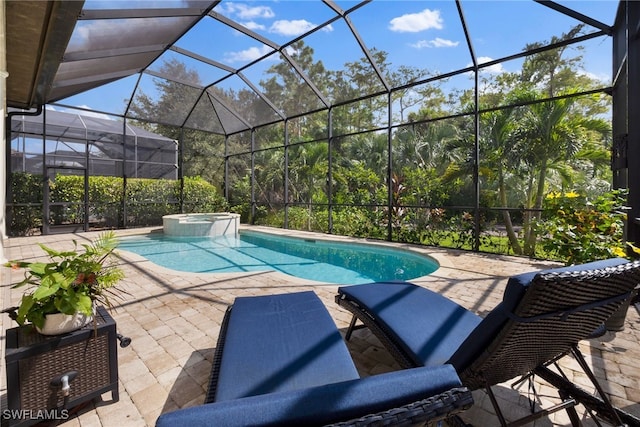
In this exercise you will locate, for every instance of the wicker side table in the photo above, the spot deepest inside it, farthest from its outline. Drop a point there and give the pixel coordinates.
(33, 360)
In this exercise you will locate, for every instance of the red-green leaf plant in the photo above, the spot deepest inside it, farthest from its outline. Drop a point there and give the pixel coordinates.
(577, 230)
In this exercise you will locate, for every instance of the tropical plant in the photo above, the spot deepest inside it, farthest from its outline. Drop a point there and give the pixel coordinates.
(577, 230)
(72, 282)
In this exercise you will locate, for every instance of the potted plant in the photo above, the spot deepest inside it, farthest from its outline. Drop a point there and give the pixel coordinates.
(68, 287)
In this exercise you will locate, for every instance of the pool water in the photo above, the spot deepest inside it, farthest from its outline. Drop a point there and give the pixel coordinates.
(324, 261)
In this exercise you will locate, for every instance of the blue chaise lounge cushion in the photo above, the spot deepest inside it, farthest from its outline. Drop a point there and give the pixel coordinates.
(426, 325)
(432, 329)
(320, 405)
(278, 343)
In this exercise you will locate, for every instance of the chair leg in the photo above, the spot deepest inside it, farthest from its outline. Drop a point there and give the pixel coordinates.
(571, 411)
(494, 402)
(587, 399)
(566, 404)
(352, 325)
(587, 370)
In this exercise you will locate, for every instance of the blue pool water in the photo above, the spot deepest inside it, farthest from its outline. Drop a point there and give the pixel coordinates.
(330, 262)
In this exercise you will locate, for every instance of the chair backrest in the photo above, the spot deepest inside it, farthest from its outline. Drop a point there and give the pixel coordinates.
(541, 317)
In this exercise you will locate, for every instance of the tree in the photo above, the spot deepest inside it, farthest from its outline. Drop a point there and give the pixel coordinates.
(308, 169)
(288, 91)
(551, 69)
(203, 152)
(526, 150)
(553, 136)
(497, 139)
(269, 176)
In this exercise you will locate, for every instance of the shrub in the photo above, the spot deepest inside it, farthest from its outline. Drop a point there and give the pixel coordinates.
(25, 211)
(200, 196)
(147, 200)
(575, 230)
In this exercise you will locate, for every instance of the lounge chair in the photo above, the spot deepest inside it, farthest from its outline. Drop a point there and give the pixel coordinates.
(280, 360)
(541, 318)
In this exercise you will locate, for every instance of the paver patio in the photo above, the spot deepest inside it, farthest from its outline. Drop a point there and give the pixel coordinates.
(173, 319)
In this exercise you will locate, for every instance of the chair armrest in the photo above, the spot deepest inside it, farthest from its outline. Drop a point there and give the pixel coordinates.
(425, 393)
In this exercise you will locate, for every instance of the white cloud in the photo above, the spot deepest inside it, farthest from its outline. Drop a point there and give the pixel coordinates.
(290, 50)
(247, 54)
(416, 22)
(294, 27)
(244, 11)
(492, 69)
(252, 25)
(437, 42)
(604, 78)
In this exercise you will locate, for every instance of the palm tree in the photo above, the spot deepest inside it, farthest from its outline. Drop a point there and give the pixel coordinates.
(269, 176)
(550, 137)
(308, 168)
(499, 160)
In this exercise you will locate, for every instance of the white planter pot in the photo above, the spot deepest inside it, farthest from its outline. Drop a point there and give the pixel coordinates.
(60, 323)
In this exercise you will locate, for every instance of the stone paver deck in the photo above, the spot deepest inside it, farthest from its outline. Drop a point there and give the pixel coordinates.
(173, 319)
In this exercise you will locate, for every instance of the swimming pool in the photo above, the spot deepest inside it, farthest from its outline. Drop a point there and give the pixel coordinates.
(320, 260)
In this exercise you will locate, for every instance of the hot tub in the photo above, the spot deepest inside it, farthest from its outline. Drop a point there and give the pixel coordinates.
(201, 224)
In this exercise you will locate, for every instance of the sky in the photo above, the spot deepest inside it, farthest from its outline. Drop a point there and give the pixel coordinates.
(421, 34)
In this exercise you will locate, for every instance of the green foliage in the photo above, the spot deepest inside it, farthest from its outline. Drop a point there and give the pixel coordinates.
(575, 230)
(270, 216)
(496, 243)
(71, 282)
(105, 199)
(358, 184)
(360, 222)
(70, 190)
(240, 200)
(147, 200)
(301, 218)
(26, 213)
(200, 196)
(426, 187)
(452, 230)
